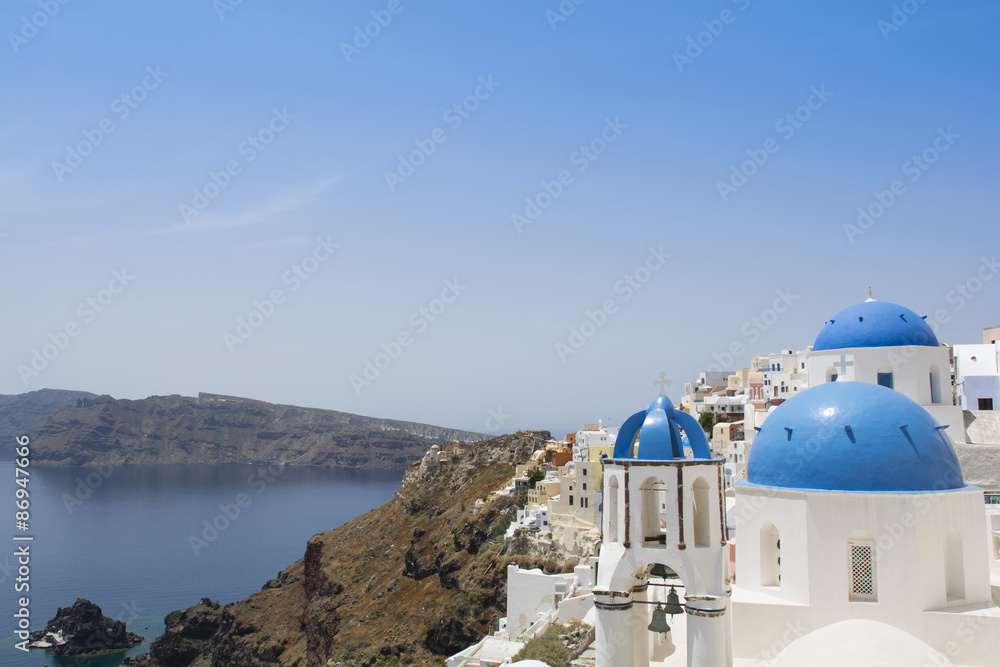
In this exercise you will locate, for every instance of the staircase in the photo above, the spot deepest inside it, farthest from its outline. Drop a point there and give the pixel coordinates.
(585, 659)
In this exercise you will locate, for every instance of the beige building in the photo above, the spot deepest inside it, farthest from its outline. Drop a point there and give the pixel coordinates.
(573, 513)
(543, 492)
(739, 379)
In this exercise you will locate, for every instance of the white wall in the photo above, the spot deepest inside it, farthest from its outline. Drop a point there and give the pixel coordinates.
(909, 530)
(911, 367)
(530, 593)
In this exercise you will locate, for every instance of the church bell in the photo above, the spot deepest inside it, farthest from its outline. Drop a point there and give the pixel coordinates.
(673, 603)
(659, 622)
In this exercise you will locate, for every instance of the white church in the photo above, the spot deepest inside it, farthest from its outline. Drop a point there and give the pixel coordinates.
(859, 542)
(886, 344)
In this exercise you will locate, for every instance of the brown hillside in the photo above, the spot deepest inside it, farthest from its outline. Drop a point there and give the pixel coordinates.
(410, 582)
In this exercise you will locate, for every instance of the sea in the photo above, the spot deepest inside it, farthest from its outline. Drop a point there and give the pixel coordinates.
(142, 541)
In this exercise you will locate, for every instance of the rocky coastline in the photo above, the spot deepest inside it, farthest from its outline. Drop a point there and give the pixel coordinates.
(409, 583)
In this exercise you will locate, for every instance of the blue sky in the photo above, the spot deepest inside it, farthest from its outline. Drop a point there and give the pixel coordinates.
(739, 138)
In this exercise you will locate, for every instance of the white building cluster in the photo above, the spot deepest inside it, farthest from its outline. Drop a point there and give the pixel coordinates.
(875, 342)
(860, 541)
(563, 507)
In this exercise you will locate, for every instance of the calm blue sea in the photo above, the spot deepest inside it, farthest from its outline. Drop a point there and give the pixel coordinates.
(122, 538)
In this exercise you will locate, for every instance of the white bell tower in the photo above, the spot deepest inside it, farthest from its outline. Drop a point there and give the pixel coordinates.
(663, 506)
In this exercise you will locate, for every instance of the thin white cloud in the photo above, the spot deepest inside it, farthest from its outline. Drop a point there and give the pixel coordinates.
(265, 212)
(278, 243)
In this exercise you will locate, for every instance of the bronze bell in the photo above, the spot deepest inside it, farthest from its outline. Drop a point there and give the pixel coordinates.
(673, 603)
(659, 622)
(663, 572)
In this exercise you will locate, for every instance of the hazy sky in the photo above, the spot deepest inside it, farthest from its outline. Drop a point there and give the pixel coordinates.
(669, 172)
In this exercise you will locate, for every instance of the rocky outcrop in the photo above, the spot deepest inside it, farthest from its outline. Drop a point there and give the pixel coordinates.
(101, 430)
(450, 635)
(83, 628)
(408, 583)
(321, 618)
(188, 633)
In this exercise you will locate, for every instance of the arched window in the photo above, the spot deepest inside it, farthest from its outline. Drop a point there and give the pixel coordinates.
(612, 513)
(702, 512)
(770, 556)
(884, 376)
(831, 374)
(954, 565)
(654, 520)
(935, 384)
(861, 561)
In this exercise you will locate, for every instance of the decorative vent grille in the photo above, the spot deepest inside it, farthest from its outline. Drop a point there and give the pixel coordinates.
(863, 582)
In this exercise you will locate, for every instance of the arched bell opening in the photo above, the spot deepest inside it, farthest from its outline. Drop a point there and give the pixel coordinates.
(664, 609)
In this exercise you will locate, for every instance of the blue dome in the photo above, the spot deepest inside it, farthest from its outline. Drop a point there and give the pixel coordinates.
(874, 324)
(660, 439)
(853, 436)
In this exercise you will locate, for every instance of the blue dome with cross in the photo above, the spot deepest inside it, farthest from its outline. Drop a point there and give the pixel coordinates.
(874, 324)
(658, 428)
(853, 436)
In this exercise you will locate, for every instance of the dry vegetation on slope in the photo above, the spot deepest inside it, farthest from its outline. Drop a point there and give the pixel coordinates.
(410, 582)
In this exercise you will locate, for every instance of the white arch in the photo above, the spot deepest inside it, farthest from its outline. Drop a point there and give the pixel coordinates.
(935, 379)
(770, 556)
(954, 565)
(702, 510)
(653, 519)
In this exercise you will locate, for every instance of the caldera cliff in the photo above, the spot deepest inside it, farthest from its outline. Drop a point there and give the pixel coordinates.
(410, 582)
(86, 430)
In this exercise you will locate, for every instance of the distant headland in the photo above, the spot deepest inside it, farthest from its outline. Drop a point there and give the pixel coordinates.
(71, 428)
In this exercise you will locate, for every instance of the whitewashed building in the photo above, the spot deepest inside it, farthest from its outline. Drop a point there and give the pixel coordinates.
(858, 532)
(977, 376)
(594, 441)
(532, 517)
(884, 343)
(785, 374)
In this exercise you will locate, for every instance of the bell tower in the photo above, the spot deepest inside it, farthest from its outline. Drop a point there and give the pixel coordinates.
(663, 508)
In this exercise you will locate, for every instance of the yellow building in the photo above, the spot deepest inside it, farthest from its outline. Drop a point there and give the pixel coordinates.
(543, 492)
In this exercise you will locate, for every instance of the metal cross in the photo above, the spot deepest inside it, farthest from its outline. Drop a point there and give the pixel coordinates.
(663, 381)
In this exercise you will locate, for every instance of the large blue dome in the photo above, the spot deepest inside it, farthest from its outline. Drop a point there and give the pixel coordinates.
(874, 324)
(853, 436)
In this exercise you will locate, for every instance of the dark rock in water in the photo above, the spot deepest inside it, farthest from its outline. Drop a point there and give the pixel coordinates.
(83, 628)
(186, 635)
